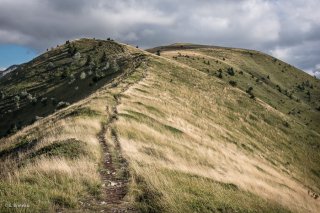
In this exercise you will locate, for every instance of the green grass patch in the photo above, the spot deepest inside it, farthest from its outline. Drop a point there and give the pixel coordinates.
(70, 148)
(84, 111)
(23, 145)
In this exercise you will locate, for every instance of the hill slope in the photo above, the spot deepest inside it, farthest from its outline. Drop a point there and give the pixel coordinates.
(177, 133)
(57, 78)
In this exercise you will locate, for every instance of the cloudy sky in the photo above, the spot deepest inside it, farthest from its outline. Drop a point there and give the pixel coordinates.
(287, 29)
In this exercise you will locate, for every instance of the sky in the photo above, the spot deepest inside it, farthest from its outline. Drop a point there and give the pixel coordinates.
(286, 29)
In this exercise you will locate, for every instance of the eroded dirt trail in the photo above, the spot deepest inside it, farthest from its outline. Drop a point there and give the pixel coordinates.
(114, 173)
(114, 170)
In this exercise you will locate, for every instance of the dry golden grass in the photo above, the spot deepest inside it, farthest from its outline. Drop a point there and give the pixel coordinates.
(47, 183)
(208, 137)
(193, 144)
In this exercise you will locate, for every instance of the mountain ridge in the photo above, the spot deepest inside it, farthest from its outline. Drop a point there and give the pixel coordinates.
(192, 130)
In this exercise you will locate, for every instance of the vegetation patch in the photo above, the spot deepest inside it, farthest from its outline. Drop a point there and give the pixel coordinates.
(23, 145)
(84, 111)
(70, 148)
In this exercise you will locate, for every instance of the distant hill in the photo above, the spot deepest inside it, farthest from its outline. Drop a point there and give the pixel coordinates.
(99, 126)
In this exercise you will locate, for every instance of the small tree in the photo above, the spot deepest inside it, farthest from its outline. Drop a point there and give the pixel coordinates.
(44, 101)
(2, 94)
(71, 78)
(50, 66)
(83, 75)
(62, 104)
(114, 66)
(249, 91)
(72, 50)
(230, 71)
(103, 57)
(77, 56)
(24, 93)
(16, 99)
(309, 95)
(88, 60)
(220, 73)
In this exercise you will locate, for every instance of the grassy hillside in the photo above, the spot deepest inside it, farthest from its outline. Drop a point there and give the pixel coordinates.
(57, 78)
(179, 132)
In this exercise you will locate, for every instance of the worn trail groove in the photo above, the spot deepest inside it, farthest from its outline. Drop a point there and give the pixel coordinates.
(115, 173)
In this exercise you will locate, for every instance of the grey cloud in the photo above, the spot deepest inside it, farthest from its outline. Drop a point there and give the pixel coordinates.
(288, 29)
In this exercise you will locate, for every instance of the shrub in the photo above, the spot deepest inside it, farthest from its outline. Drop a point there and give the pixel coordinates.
(103, 57)
(16, 99)
(230, 71)
(50, 66)
(114, 66)
(92, 66)
(233, 83)
(72, 50)
(31, 99)
(309, 95)
(62, 104)
(106, 67)
(44, 100)
(249, 91)
(2, 94)
(83, 75)
(77, 56)
(71, 79)
(24, 94)
(88, 61)
(286, 124)
(65, 73)
(158, 53)
(219, 73)
(278, 88)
